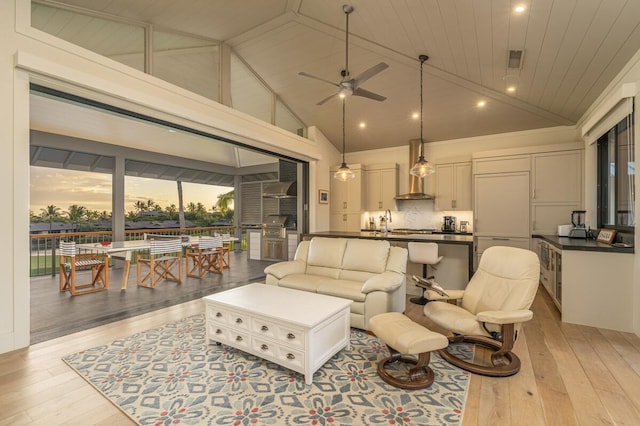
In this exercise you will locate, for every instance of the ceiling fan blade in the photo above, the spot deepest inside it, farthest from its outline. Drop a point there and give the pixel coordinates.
(328, 98)
(304, 74)
(366, 75)
(368, 94)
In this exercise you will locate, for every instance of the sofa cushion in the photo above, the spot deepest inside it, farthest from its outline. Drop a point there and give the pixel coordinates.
(303, 282)
(326, 252)
(366, 255)
(342, 288)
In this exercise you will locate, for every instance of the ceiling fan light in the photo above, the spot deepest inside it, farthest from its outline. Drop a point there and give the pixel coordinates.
(422, 168)
(344, 173)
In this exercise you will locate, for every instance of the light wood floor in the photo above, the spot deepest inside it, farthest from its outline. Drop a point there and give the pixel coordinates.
(570, 375)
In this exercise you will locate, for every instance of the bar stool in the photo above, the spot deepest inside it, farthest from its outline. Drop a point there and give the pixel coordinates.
(426, 254)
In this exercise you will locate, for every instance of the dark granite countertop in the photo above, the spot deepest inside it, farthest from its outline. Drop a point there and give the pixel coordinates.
(579, 244)
(436, 238)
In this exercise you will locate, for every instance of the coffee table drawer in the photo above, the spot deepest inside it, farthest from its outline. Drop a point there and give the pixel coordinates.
(217, 332)
(264, 348)
(291, 358)
(218, 314)
(291, 336)
(263, 328)
(239, 339)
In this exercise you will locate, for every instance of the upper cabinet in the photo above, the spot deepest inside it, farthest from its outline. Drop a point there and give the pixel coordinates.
(346, 202)
(381, 186)
(556, 189)
(347, 196)
(453, 186)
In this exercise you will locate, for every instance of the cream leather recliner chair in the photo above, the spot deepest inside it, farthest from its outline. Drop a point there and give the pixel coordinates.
(369, 272)
(493, 306)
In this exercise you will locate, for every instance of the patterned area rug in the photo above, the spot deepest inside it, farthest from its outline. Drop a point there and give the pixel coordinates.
(170, 375)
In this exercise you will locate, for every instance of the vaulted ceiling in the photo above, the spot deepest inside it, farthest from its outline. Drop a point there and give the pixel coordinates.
(572, 51)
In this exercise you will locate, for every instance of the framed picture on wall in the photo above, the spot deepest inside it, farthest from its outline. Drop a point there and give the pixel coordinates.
(323, 196)
(606, 235)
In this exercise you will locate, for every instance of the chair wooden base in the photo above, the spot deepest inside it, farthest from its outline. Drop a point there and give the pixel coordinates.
(419, 376)
(198, 264)
(504, 363)
(99, 276)
(159, 270)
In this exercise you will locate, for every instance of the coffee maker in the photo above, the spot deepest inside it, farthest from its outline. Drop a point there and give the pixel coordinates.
(449, 224)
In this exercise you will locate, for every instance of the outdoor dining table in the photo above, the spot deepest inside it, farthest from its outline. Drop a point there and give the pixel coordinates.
(128, 247)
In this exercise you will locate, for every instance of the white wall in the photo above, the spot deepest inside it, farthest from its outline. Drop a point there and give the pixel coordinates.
(319, 178)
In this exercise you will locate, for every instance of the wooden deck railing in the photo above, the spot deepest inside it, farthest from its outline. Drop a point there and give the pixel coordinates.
(44, 246)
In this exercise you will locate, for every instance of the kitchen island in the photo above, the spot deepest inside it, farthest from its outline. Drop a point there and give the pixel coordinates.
(456, 248)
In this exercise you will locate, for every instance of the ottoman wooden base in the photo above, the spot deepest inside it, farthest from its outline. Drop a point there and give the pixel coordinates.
(404, 337)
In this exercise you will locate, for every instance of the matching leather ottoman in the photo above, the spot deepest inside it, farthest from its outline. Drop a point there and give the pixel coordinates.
(404, 337)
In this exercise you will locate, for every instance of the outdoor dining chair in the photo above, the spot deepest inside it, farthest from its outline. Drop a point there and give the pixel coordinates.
(163, 258)
(204, 257)
(71, 262)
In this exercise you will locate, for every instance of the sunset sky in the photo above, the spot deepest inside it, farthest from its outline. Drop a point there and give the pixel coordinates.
(64, 188)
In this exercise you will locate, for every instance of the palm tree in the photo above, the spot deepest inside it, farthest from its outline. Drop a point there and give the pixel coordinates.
(140, 206)
(75, 214)
(50, 213)
(222, 205)
(172, 211)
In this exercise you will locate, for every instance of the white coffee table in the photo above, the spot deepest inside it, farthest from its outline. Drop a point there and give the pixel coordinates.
(296, 329)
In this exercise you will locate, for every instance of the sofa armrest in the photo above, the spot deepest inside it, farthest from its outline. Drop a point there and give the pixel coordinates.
(386, 281)
(505, 317)
(282, 269)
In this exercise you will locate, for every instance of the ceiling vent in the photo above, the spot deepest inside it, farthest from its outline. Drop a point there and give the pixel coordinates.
(514, 62)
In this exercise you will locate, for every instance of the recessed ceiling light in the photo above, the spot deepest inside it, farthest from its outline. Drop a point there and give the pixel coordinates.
(511, 89)
(519, 9)
(481, 104)
(362, 124)
(415, 115)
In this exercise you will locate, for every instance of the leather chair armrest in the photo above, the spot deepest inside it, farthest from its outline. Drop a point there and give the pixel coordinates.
(504, 317)
(451, 295)
(386, 281)
(282, 269)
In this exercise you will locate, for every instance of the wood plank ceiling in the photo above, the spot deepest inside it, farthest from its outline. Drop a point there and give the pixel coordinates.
(572, 50)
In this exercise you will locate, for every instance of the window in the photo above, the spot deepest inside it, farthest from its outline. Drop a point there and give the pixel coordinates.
(616, 173)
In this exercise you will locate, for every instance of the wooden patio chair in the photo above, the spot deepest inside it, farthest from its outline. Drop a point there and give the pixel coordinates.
(225, 250)
(205, 257)
(71, 262)
(161, 260)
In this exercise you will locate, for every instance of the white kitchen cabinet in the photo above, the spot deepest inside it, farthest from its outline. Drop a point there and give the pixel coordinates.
(381, 186)
(501, 205)
(347, 196)
(551, 270)
(346, 202)
(556, 189)
(345, 222)
(453, 186)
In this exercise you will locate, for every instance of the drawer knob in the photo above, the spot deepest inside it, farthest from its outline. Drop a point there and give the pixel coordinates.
(238, 338)
(291, 356)
(218, 331)
(238, 320)
(218, 315)
(264, 347)
(291, 336)
(264, 328)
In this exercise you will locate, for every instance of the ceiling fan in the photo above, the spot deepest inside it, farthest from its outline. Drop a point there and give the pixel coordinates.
(351, 86)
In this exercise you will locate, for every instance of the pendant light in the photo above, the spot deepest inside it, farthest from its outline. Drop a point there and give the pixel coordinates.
(344, 173)
(422, 167)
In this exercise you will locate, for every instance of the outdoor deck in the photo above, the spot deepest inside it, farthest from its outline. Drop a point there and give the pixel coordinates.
(55, 314)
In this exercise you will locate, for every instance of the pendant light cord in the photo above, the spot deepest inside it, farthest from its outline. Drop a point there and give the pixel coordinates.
(343, 128)
(422, 59)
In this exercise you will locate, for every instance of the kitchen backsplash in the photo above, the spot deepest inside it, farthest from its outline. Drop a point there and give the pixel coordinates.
(418, 214)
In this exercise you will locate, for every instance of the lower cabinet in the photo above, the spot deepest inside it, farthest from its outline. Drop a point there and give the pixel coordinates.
(551, 270)
(254, 246)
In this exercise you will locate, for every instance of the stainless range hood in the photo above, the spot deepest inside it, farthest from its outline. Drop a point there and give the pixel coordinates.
(416, 184)
(280, 190)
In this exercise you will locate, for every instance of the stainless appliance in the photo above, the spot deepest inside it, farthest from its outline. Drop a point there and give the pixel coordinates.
(274, 237)
(579, 227)
(280, 190)
(449, 224)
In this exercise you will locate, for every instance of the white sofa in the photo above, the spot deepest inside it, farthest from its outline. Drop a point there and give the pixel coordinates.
(369, 272)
